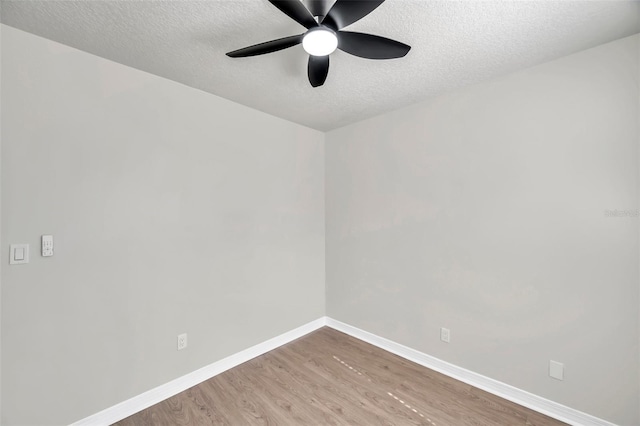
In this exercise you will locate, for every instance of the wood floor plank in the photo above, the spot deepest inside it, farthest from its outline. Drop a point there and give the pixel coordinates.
(330, 378)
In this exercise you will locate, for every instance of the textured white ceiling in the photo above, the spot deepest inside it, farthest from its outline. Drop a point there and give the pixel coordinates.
(454, 43)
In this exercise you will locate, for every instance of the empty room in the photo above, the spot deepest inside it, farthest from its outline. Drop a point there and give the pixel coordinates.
(319, 212)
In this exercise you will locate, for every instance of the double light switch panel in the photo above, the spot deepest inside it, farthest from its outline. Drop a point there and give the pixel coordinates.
(19, 253)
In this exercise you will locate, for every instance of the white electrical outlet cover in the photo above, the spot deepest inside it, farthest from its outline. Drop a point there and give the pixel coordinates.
(182, 341)
(445, 335)
(556, 370)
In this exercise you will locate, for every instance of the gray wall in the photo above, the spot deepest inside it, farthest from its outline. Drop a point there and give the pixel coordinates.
(172, 210)
(483, 211)
(176, 211)
(1, 265)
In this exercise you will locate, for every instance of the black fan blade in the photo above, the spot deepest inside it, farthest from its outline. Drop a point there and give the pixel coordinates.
(267, 47)
(346, 12)
(318, 69)
(297, 11)
(371, 46)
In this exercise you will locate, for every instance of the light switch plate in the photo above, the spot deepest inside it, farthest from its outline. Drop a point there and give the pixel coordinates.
(47, 245)
(18, 254)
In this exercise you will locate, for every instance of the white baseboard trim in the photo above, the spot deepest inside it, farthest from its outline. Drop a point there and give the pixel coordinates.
(147, 399)
(503, 390)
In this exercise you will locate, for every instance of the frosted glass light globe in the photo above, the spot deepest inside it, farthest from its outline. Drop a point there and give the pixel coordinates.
(320, 41)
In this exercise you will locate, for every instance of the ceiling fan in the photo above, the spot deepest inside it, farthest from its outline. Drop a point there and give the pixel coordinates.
(324, 34)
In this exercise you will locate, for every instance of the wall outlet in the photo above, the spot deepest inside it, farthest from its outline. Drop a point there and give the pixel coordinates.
(556, 370)
(182, 341)
(445, 335)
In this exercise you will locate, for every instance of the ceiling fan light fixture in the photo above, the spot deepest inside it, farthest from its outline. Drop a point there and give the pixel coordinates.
(320, 41)
(324, 34)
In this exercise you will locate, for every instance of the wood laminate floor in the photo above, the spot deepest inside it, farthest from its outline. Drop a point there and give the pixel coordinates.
(329, 378)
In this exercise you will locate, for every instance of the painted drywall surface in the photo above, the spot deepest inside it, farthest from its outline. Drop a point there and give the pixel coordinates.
(484, 211)
(0, 213)
(172, 211)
